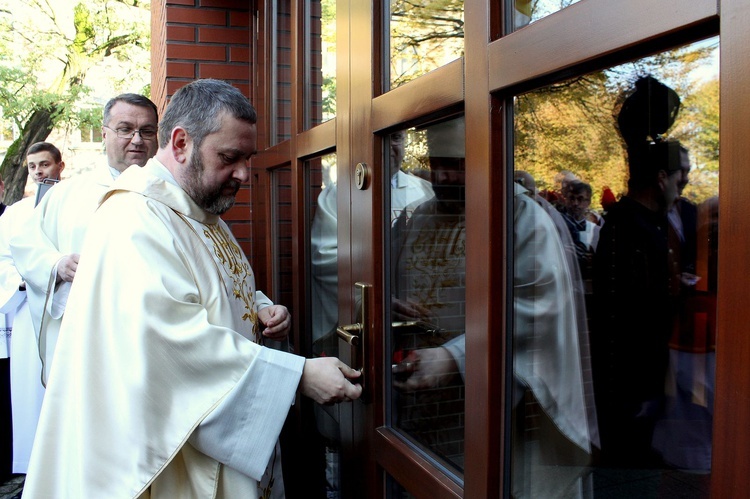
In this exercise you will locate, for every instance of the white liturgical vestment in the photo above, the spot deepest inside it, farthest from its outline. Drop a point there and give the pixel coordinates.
(56, 229)
(26, 390)
(159, 389)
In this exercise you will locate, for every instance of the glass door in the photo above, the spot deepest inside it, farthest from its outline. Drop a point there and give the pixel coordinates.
(451, 225)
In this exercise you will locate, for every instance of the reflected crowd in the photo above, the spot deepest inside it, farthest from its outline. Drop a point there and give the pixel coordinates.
(613, 313)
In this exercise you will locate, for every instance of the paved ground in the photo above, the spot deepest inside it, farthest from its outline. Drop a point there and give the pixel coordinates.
(12, 488)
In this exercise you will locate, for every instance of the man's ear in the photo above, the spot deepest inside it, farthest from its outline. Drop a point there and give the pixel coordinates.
(662, 178)
(181, 144)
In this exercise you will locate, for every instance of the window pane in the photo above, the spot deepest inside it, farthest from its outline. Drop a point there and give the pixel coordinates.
(424, 35)
(281, 119)
(281, 179)
(323, 254)
(323, 307)
(528, 11)
(614, 285)
(320, 100)
(428, 267)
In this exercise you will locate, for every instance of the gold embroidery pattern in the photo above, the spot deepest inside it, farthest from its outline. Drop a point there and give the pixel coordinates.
(433, 268)
(229, 254)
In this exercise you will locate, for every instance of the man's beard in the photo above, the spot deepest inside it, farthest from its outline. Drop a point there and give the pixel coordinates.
(451, 198)
(207, 198)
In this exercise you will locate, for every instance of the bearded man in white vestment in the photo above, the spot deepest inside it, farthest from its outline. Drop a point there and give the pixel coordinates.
(43, 160)
(160, 388)
(46, 252)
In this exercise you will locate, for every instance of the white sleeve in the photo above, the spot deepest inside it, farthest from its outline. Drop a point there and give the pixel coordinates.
(262, 301)
(457, 349)
(242, 431)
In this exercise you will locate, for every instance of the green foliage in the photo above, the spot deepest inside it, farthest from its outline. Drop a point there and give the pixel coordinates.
(57, 46)
(328, 57)
(56, 58)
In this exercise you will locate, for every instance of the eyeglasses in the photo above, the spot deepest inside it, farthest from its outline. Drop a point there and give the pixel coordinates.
(129, 133)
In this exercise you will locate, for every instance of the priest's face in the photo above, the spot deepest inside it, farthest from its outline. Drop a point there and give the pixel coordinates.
(130, 135)
(215, 172)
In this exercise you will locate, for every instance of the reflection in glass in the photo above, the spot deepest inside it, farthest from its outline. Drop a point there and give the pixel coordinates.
(428, 262)
(529, 11)
(320, 100)
(424, 35)
(281, 180)
(615, 255)
(324, 255)
(281, 76)
(323, 305)
(395, 490)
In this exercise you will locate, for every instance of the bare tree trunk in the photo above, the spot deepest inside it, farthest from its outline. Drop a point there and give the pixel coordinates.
(14, 171)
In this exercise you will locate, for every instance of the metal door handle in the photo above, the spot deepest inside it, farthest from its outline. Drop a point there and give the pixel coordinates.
(423, 326)
(350, 333)
(356, 335)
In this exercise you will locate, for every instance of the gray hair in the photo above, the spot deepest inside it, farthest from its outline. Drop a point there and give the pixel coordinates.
(197, 107)
(132, 99)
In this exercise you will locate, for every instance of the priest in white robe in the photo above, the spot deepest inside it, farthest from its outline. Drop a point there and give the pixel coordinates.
(43, 161)
(160, 388)
(46, 252)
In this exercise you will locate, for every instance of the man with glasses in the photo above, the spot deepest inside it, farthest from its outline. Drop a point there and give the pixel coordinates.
(46, 252)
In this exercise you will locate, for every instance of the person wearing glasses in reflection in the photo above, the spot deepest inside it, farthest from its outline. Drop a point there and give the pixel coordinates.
(46, 251)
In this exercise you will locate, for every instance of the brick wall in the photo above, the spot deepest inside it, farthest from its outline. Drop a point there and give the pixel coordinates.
(194, 39)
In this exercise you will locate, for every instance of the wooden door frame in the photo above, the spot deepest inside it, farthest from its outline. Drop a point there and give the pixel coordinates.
(590, 35)
(731, 437)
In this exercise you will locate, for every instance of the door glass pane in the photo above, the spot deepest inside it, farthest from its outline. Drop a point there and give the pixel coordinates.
(614, 287)
(320, 101)
(528, 11)
(424, 35)
(428, 261)
(281, 86)
(323, 255)
(395, 490)
(281, 179)
(323, 306)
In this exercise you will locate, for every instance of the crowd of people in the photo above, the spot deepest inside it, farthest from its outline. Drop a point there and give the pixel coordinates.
(613, 323)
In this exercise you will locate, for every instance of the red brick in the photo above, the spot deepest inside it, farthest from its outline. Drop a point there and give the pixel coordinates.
(239, 54)
(224, 35)
(196, 16)
(174, 85)
(242, 230)
(243, 87)
(224, 71)
(196, 52)
(247, 247)
(243, 196)
(181, 69)
(181, 33)
(225, 4)
(237, 213)
(181, 2)
(239, 19)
